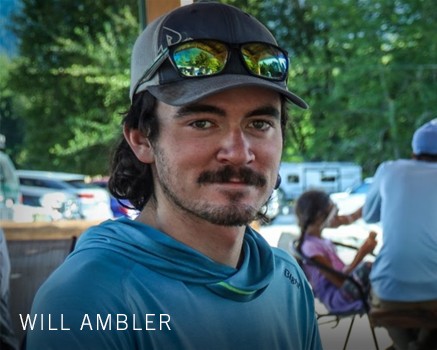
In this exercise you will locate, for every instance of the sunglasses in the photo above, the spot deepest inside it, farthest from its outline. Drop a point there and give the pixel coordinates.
(205, 58)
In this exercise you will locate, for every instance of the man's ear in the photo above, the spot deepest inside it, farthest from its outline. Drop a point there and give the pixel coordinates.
(139, 144)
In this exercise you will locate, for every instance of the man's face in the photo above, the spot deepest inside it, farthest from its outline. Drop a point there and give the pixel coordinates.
(217, 159)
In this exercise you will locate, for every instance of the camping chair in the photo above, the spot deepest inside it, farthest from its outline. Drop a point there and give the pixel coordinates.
(337, 316)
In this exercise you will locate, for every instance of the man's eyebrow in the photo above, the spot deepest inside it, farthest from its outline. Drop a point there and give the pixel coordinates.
(199, 108)
(265, 110)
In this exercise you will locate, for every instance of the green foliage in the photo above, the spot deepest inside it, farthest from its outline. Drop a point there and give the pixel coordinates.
(10, 125)
(73, 76)
(367, 68)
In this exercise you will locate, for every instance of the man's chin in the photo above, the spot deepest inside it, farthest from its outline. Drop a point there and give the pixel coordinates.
(235, 215)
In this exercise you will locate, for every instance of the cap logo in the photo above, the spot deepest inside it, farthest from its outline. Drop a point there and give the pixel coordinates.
(172, 37)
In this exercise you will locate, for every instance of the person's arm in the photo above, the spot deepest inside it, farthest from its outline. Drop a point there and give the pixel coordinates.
(372, 205)
(346, 219)
(367, 248)
(8, 340)
(335, 279)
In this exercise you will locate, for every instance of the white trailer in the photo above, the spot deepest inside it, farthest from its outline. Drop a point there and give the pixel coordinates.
(328, 176)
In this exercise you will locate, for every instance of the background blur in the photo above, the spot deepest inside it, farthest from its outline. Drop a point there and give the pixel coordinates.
(367, 68)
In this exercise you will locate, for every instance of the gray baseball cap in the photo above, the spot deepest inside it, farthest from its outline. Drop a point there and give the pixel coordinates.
(201, 20)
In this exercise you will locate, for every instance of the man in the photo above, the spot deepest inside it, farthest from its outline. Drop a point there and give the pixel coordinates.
(199, 158)
(403, 197)
(7, 338)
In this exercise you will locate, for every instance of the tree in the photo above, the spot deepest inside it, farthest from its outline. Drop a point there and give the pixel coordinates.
(365, 67)
(10, 125)
(73, 74)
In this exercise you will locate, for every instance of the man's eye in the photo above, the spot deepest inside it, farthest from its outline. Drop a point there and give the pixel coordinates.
(201, 124)
(261, 125)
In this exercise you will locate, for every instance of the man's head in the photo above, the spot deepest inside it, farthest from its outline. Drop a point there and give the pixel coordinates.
(205, 48)
(424, 143)
(220, 70)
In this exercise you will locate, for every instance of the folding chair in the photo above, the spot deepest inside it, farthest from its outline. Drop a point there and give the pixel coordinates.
(303, 259)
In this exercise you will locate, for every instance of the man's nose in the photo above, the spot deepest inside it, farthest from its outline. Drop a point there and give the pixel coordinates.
(236, 149)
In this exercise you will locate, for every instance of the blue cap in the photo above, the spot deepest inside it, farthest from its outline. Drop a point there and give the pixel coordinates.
(425, 139)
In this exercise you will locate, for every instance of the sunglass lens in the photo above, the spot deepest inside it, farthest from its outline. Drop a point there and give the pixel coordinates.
(200, 58)
(265, 60)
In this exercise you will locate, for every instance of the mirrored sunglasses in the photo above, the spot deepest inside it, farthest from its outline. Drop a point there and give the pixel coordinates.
(204, 58)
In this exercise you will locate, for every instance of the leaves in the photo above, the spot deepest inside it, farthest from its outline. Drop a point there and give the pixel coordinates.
(79, 71)
(367, 68)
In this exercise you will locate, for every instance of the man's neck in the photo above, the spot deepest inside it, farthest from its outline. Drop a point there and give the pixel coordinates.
(222, 244)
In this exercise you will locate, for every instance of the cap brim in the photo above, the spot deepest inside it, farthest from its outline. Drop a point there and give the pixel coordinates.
(191, 90)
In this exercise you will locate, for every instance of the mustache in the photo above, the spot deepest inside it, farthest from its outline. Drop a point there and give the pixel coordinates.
(225, 174)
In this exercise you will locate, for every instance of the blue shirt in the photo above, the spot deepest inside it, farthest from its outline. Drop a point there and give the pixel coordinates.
(403, 196)
(169, 296)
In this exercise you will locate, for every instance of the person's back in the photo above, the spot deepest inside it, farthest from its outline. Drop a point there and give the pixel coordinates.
(403, 197)
(407, 260)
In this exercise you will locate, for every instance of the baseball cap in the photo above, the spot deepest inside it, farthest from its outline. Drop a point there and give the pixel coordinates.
(425, 139)
(202, 20)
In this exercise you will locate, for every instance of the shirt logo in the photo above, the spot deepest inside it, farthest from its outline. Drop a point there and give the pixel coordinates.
(293, 280)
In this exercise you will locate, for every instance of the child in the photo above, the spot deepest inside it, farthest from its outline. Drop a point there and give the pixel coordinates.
(315, 211)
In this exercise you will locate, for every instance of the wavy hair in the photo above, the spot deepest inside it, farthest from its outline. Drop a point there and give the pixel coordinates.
(131, 179)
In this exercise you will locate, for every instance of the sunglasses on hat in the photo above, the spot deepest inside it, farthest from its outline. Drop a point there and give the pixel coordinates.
(204, 58)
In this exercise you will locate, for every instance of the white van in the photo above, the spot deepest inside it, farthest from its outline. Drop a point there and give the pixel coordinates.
(328, 176)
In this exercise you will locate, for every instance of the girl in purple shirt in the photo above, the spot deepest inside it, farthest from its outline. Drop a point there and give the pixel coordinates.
(315, 211)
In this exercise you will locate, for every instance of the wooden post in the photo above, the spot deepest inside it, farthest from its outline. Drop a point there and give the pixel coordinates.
(151, 9)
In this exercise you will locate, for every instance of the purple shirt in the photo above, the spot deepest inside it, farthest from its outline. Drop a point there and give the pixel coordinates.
(324, 290)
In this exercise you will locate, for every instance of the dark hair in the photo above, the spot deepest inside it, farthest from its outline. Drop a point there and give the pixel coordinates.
(308, 208)
(131, 179)
(427, 157)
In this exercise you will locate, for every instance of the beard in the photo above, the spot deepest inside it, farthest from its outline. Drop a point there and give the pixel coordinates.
(234, 213)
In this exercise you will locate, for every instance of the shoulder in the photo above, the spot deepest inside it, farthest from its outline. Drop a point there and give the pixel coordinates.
(394, 165)
(287, 265)
(312, 246)
(95, 273)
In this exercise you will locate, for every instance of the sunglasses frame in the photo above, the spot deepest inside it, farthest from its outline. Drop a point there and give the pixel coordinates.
(168, 53)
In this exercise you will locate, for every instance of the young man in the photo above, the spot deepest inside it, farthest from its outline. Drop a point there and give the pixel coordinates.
(199, 158)
(403, 197)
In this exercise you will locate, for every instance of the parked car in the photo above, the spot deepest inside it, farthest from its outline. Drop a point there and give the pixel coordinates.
(353, 198)
(93, 201)
(119, 207)
(9, 185)
(57, 204)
